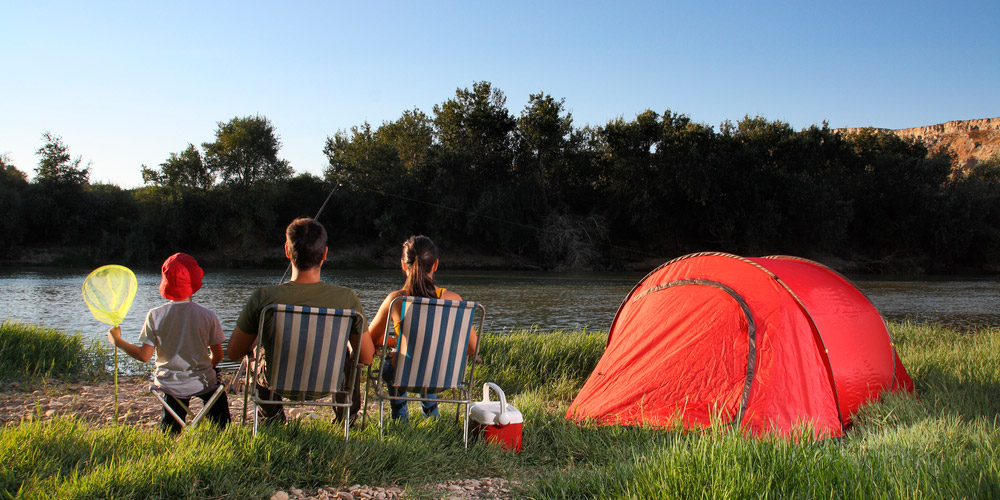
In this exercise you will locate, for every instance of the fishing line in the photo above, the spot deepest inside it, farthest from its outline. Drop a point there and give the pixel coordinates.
(496, 219)
(461, 211)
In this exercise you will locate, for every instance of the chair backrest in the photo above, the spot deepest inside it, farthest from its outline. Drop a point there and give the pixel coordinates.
(431, 353)
(308, 347)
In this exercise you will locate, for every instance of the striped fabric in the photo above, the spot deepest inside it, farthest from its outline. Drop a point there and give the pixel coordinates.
(432, 344)
(310, 346)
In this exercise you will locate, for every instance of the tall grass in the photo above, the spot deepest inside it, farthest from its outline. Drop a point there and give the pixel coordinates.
(32, 351)
(553, 361)
(941, 443)
(65, 458)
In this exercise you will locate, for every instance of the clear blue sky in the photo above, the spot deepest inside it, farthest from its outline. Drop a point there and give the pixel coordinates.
(126, 83)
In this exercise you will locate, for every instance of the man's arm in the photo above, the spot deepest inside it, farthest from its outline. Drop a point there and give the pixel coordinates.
(240, 344)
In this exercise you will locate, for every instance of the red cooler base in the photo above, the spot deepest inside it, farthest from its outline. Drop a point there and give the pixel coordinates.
(509, 436)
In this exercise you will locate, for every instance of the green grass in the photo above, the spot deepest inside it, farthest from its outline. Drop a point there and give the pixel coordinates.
(555, 363)
(941, 443)
(36, 352)
(33, 353)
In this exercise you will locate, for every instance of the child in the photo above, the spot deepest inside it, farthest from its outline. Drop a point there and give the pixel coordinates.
(187, 339)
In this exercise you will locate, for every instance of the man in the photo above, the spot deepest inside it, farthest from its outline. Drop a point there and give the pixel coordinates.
(305, 247)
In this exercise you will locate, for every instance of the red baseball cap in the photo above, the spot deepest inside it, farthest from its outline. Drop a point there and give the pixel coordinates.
(181, 277)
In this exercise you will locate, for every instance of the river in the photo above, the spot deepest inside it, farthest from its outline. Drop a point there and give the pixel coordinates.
(513, 300)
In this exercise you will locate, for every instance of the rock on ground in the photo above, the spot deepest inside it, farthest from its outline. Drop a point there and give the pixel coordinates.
(463, 489)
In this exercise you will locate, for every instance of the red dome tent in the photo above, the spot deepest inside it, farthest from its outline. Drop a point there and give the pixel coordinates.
(763, 343)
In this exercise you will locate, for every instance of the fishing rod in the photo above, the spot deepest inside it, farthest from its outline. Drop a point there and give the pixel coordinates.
(244, 364)
(318, 212)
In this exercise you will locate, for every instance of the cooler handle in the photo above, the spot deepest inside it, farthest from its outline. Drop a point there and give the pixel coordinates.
(502, 418)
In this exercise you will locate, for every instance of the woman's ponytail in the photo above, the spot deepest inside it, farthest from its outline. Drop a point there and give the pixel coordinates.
(419, 255)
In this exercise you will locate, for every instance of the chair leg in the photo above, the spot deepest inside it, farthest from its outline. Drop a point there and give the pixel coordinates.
(170, 410)
(364, 399)
(347, 424)
(465, 436)
(256, 416)
(208, 404)
(381, 407)
(246, 388)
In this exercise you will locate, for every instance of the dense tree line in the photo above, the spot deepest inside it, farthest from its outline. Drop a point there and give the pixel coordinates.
(532, 186)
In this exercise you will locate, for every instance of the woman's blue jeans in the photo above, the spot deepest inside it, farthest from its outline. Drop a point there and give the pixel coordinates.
(399, 410)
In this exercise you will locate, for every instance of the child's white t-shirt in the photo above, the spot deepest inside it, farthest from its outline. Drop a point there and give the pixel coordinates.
(181, 332)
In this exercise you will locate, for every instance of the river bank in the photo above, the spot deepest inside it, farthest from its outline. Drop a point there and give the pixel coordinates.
(372, 257)
(355, 257)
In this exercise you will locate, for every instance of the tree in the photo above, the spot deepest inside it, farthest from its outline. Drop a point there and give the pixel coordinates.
(9, 174)
(181, 170)
(411, 136)
(969, 236)
(367, 160)
(361, 159)
(242, 221)
(629, 175)
(543, 130)
(13, 190)
(769, 157)
(59, 201)
(476, 126)
(896, 189)
(245, 152)
(56, 168)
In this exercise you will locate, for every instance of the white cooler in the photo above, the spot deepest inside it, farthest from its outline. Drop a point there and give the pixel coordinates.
(496, 421)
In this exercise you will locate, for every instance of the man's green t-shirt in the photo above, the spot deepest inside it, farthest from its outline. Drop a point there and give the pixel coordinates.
(299, 294)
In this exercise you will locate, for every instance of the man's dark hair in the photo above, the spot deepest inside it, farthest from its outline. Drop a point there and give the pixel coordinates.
(305, 240)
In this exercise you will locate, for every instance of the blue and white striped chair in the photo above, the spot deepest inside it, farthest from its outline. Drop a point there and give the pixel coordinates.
(305, 360)
(430, 354)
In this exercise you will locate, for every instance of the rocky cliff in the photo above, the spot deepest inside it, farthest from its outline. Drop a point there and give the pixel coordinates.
(971, 141)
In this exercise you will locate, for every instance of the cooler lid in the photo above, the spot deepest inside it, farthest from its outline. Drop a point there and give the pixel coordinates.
(488, 413)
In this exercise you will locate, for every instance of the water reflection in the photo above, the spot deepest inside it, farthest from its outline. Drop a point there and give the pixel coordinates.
(513, 300)
(961, 303)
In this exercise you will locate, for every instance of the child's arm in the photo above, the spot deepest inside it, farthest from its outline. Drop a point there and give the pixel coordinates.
(142, 353)
(216, 353)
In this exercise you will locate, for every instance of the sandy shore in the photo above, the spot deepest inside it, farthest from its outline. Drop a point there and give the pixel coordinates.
(90, 401)
(93, 401)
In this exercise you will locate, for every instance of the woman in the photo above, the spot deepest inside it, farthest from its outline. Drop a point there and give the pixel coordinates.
(419, 262)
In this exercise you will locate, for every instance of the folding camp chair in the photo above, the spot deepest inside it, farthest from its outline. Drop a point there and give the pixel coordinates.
(305, 359)
(160, 396)
(429, 355)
